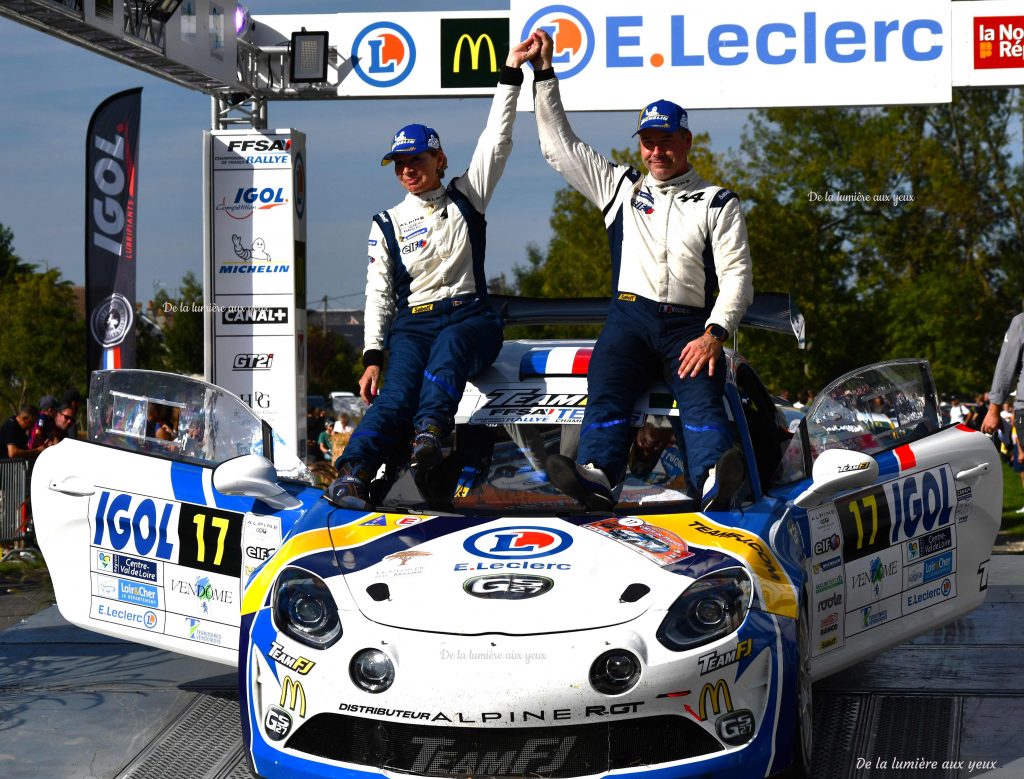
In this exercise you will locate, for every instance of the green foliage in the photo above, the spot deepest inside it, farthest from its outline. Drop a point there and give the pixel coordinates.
(333, 366)
(10, 264)
(43, 346)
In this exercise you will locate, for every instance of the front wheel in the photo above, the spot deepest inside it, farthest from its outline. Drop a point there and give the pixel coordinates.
(803, 735)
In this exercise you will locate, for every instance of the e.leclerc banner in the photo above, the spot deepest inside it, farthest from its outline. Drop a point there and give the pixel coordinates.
(111, 208)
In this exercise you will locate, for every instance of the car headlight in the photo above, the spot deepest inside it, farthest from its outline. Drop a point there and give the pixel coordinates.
(305, 610)
(711, 608)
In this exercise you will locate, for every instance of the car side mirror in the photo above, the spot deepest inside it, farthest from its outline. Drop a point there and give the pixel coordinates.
(836, 471)
(253, 476)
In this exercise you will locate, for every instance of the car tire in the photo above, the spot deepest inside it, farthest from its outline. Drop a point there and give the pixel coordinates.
(803, 732)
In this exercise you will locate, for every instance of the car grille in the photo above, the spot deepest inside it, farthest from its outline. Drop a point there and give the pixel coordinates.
(571, 750)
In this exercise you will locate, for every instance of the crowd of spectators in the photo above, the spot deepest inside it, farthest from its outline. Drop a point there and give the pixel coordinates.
(35, 427)
(326, 435)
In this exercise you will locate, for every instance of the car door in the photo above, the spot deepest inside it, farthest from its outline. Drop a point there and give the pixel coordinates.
(903, 547)
(139, 542)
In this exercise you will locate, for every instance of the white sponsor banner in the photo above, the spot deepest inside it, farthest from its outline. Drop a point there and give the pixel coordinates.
(203, 631)
(255, 273)
(738, 54)
(873, 578)
(202, 594)
(988, 43)
(745, 54)
(141, 618)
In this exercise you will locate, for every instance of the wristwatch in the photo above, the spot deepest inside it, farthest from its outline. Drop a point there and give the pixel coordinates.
(718, 332)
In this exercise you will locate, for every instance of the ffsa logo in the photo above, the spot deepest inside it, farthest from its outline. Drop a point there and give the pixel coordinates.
(383, 54)
(572, 36)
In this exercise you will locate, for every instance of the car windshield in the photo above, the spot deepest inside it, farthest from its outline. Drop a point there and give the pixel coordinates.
(182, 419)
(501, 469)
(874, 408)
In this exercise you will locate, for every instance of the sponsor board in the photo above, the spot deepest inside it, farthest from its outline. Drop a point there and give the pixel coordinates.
(897, 511)
(126, 591)
(138, 525)
(202, 631)
(873, 578)
(872, 615)
(653, 542)
(930, 569)
(139, 618)
(201, 594)
(261, 537)
(251, 151)
(929, 594)
(104, 561)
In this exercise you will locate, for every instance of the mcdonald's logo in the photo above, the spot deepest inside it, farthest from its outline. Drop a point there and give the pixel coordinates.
(471, 51)
(714, 694)
(289, 687)
(475, 44)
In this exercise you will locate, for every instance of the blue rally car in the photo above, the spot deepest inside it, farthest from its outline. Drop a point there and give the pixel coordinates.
(477, 622)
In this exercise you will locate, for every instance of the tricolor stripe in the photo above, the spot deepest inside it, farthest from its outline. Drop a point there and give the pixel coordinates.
(112, 358)
(559, 361)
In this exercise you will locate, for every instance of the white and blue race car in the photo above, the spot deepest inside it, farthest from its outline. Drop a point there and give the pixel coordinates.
(479, 623)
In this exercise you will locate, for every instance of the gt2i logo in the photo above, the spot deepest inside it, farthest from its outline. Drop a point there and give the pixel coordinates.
(135, 524)
(252, 362)
(522, 543)
(895, 512)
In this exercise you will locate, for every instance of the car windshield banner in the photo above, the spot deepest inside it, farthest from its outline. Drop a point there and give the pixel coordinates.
(111, 208)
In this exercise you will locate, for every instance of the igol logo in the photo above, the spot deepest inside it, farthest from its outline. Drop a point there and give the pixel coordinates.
(517, 543)
(383, 54)
(571, 33)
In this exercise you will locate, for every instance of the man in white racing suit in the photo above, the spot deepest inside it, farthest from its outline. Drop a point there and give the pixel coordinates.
(674, 239)
(426, 294)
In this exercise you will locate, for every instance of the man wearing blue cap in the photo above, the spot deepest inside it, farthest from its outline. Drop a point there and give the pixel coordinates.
(674, 238)
(426, 294)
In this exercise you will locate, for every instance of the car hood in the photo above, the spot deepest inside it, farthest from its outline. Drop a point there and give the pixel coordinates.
(464, 576)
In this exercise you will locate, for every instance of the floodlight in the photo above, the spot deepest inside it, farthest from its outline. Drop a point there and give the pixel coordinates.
(162, 10)
(308, 57)
(242, 18)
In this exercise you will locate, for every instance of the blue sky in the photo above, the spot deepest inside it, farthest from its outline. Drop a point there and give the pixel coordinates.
(50, 89)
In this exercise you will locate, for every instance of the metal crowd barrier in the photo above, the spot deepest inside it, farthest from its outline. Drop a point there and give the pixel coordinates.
(13, 497)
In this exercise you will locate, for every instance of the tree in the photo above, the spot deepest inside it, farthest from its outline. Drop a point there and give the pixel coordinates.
(183, 328)
(10, 264)
(894, 229)
(43, 346)
(333, 364)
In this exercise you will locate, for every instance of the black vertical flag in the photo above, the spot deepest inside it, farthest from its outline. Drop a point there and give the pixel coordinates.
(111, 221)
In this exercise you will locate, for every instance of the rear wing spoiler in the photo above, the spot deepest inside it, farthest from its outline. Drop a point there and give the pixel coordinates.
(774, 311)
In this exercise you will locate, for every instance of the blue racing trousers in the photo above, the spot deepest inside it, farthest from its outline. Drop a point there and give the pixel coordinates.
(641, 342)
(432, 350)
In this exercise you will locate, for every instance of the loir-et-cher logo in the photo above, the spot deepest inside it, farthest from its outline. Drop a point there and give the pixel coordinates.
(998, 42)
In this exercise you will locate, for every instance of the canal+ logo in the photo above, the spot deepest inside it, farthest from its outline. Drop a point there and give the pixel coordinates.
(383, 54)
(572, 36)
(517, 543)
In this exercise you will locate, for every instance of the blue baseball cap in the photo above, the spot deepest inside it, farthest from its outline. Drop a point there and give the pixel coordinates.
(413, 139)
(662, 115)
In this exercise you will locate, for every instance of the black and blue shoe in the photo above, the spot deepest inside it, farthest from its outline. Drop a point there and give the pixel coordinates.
(586, 483)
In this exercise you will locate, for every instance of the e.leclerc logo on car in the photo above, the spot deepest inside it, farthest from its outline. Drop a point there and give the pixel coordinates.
(383, 54)
(517, 543)
(572, 36)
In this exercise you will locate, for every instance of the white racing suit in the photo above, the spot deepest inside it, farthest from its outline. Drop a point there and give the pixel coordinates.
(673, 244)
(426, 297)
